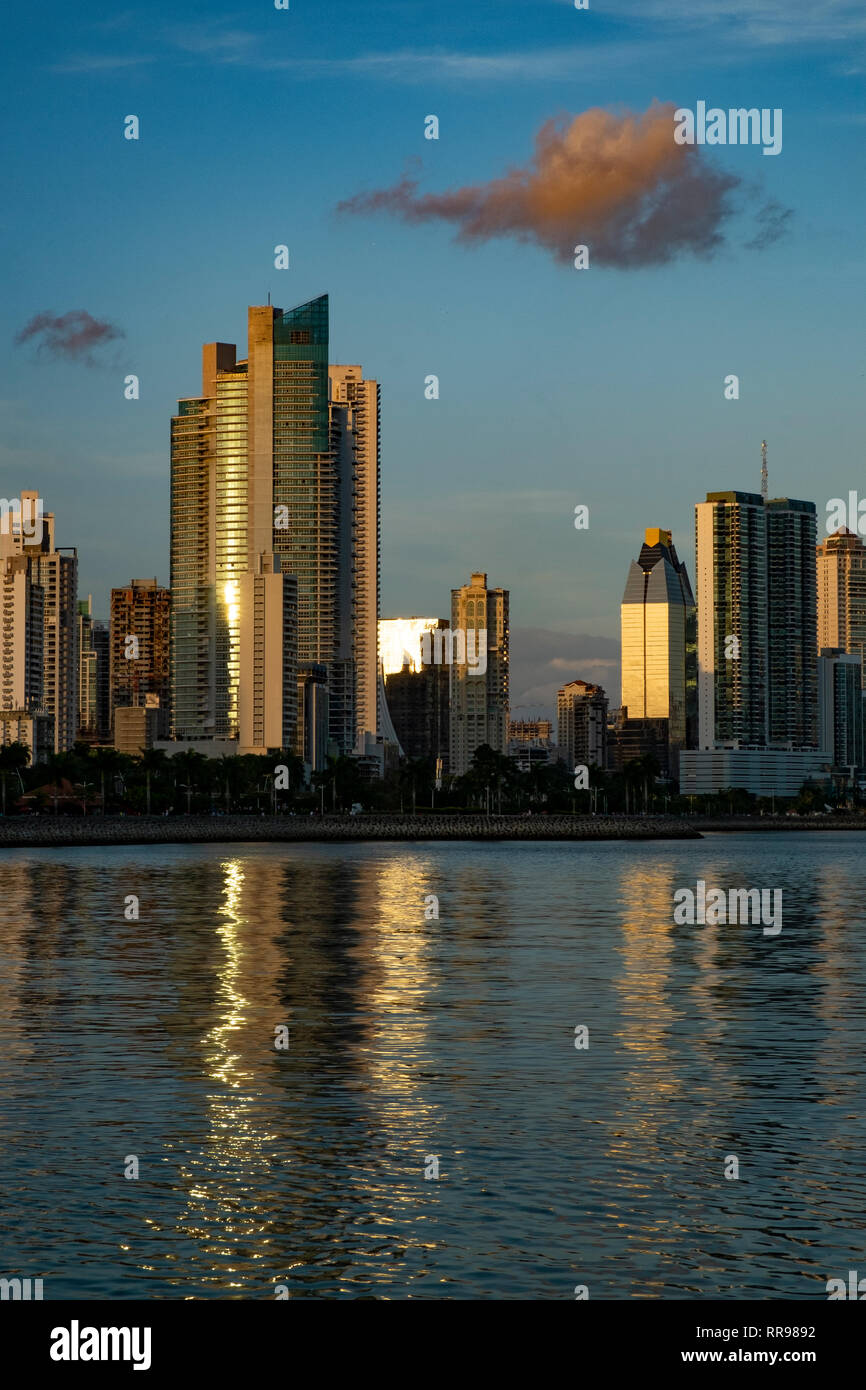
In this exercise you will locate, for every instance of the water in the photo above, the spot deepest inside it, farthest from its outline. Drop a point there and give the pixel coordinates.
(453, 1038)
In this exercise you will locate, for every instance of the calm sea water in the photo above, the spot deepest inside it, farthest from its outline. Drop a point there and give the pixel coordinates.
(410, 1038)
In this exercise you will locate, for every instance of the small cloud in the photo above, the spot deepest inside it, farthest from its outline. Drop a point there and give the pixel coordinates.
(772, 220)
(71, 336)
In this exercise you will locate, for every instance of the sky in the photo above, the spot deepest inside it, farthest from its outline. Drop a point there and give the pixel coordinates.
(558, 387)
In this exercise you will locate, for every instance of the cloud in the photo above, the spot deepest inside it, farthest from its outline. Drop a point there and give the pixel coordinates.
(71, 336)
(616, 183)
(761, 23)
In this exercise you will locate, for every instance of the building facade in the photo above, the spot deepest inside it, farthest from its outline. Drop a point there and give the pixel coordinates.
(581, 722)
(841, 561)
(265, 462)
(476, 652)
(658, 628)
(268, 658)
(141, 649)
(33, 561)
(840, 686)
(757, 622)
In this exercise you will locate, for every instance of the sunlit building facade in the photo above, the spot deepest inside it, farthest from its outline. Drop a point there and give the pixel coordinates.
(477, 656)
(658, 626)
(581, 724)
(841, 560)
(266, 463)
(140, 649)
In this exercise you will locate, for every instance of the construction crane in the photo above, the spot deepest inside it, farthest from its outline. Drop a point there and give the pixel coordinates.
(764, 469)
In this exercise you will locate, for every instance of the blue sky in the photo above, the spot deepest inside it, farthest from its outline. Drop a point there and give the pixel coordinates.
(557, 386)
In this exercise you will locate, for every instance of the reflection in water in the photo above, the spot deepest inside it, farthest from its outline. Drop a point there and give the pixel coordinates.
(411, 1037)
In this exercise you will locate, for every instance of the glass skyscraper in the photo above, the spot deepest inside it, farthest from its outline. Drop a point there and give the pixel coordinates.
(264, 463)
(658, 642)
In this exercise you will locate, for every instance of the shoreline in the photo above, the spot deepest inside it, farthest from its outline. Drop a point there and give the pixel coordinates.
(48, 831)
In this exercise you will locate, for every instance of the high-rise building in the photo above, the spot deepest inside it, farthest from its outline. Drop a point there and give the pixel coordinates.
(476, 650)
(265, 462)
(731, 568)
(581, 720)
(29, 532)
(792, 642)
(840, 687)
(100, 636)
(418, 704)
(842, 594)
(658, 646)
(268, 658)
(88, 683)
(140, 648)
(22, 637)
(757, 622)
(357, 402)
(757, 650)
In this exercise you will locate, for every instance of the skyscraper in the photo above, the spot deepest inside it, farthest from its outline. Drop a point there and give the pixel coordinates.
(476, 649)
(757, 617)
(140, 627)
(55, 571)
(265, 463)
(842, 594)
(88, 682)
(581, 720)
(731, 569)
(792, 638)
(22, 638)
(356, 403)
(658, 643)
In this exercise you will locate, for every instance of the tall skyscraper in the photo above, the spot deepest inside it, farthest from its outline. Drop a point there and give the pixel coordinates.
(842, 594)
(140, 648)
(477, 646)
(22, 638)
(264, 462)
(581, 720)
(731, 571)
(88, 682)
(55, 571)
(356, 403)
(658, 644)
(757, 619)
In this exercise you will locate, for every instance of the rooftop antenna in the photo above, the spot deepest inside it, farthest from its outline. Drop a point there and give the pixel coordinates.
(269, 299)
(764, 469)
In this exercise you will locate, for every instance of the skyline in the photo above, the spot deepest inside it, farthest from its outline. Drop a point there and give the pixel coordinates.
(620, 395)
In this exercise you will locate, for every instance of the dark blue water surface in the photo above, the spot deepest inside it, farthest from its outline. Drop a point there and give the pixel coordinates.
(452, 1038)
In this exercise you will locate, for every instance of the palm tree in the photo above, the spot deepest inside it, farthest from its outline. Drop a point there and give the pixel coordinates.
(152, 762)
(13, 756)
(106, 760)
(187, 764)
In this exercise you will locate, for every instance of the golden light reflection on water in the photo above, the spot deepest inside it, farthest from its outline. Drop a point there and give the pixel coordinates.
(221, 1212)
(403, 945)
(411, 1036)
